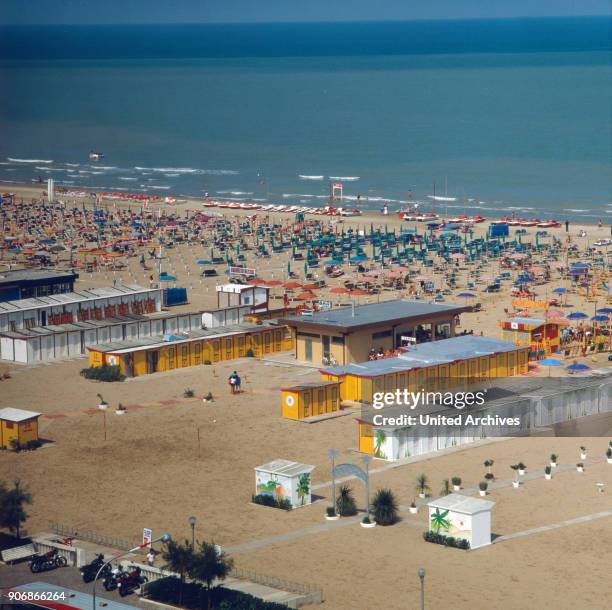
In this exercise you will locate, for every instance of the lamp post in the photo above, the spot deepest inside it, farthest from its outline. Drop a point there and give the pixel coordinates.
(162, 538)
(422, 578)
(192, 522)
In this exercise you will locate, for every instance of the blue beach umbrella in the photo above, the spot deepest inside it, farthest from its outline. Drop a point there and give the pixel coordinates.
(576, 315)
(578, 368)
(204, 262)
(466, 295)
(560, 290)
(600, 318)
(167, 278)
(605, 310)
(550, 362)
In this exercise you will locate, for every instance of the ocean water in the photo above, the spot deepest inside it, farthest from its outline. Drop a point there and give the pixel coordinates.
(502, 116)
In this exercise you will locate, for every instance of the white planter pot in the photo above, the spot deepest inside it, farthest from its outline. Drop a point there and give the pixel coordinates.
(368, 525)
(579, 468)
(119, 412)
(422, 496)
(334, 518)
(482, 492)
(515, 484)
(413, 509)
(103, 406)
(456, 487)
(548, 477)
(609, 460)
(553, 464)
(583, 456)
(521, 472)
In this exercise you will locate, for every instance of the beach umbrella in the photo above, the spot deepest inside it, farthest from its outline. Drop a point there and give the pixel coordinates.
(600, 318)
(305, 296)
(291, 285)
(550, 362)
(560, 290)
(576, 315)
(358, 293)
(576, 367)
(333, 261)
(309, 287)
(339, 291)
(554, 313)
(204, 262)
(605, 310)
(167, 278)
(466, 295)
(274, 283)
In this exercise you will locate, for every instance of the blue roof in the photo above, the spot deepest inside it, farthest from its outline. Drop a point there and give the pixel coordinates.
(428, 354)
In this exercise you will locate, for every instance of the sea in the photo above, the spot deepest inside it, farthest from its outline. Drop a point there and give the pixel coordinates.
(492, 117)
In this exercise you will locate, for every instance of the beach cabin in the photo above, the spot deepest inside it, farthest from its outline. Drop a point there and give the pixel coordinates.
(310, 399)
(462, 517)
(33, 283)
(234, 295)
(17, 426)
(138, 357)
(543, 337)
(285, 480)
(348, 334)
(438, 365)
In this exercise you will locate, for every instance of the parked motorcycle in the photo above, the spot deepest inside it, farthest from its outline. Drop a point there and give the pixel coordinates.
(111, 578)
(130, 581)
(48, 561)
(89, 571)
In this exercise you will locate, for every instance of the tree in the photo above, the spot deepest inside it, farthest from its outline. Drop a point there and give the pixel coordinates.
(445, 488)
(210, 564)
(179, 558)
(12, 512)
(384, 507)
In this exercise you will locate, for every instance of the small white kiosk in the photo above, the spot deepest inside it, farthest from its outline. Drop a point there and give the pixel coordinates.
(462, 517)
(284, 480)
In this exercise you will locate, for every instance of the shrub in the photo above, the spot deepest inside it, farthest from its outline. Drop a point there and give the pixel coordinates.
(209, 397)
(188, 393)
(547, 470)
(106, 372)
(366, 519)
(483, 486)
(579, 465)
(456, 480)
(609, 452)
(384, 507)
(489, 476)
(207, 362)
(521, 466)
(250, 353)
(121, 407)
(583, 449)
(553, 457)
(268, 500)
(330, 512)
(458, 543)
(345, 503)
(422, 484)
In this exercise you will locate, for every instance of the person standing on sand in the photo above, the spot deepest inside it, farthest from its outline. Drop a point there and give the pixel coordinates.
(566, 226)
(232, 382)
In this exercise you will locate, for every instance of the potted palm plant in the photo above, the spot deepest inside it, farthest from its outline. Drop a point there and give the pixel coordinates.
(345, 503)
(583, 453)
(121, 409)
(422, 485)
(580, 467)
(330, 514)
(482, 488)
(367, 522)
(102, 404)
(553, 460)
(547, 473)
(516, 482)
(522, 468)
(456, 481)
(413, 508)
(609, 455)
(489, 474)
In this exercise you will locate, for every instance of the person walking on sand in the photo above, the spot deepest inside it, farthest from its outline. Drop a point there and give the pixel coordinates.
(232, 382)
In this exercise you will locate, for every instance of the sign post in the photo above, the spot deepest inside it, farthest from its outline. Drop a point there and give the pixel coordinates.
(147, 536)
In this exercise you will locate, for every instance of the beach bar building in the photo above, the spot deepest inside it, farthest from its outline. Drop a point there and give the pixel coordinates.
(284, 480)
(347, 334)
(17, 426)
(462, 517)
(203, 346)
(543, 337)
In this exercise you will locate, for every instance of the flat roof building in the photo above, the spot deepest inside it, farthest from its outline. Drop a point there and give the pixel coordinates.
(349, 334)
(28, 283)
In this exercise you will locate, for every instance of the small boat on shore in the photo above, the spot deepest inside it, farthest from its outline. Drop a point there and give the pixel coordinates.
(549, 224)
(95, 156)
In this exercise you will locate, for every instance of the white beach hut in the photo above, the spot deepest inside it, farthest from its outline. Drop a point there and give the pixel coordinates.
(462, 517)
(284, 480)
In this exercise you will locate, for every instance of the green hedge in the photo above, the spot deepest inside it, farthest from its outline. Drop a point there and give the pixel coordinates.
(268, 500)
(106, 372)
(166, 590)
(458, 543)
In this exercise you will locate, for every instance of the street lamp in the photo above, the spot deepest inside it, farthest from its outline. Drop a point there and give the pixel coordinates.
(422, 578)
(192, 522)
(162, 538)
